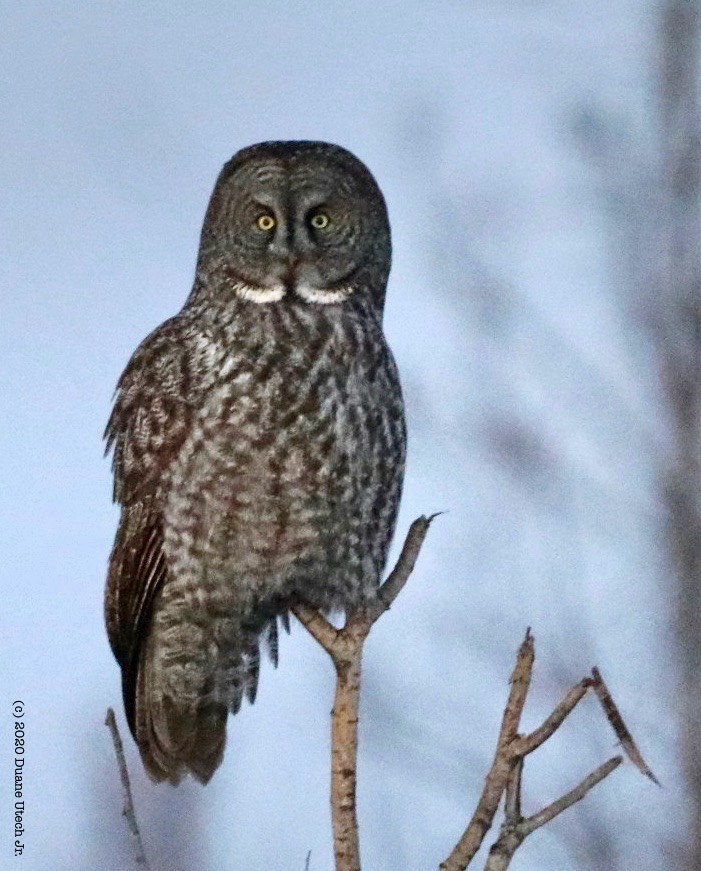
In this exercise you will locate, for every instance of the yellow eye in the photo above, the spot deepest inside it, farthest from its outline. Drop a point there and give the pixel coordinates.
(266, 223)
(319, 221)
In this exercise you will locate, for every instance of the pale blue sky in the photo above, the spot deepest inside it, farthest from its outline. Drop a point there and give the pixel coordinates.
(115, 121)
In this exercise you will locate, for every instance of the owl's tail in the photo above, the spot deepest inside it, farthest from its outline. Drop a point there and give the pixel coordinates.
(186, 734)
(177, 736)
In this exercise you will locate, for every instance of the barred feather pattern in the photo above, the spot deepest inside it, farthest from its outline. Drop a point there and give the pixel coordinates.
(258, 455)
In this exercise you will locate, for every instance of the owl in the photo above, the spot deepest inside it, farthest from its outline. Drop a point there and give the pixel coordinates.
(258, 443)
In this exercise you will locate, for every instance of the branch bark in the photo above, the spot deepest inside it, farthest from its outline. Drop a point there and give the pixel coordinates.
(514, 831)
(345, 647)
(495, 784)
(505, 774)
(128, 811)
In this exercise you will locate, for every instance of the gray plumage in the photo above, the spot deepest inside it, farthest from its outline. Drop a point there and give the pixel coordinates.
(259, 445)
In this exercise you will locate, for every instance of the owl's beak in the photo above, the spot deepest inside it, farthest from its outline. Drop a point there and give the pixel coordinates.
(290, 275)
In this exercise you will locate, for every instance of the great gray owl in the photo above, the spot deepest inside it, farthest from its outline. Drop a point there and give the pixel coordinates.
(259, 445)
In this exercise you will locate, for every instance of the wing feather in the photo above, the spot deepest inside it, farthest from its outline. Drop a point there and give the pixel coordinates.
(148, 424)
(137, 571)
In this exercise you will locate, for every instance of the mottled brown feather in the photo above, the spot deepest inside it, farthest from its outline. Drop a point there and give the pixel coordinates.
(258, 449)
(137, 571)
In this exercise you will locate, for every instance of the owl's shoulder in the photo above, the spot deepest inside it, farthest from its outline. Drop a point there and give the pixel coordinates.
(155, 355)
(154, 403)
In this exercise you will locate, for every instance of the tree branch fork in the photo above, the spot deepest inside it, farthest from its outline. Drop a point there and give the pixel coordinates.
(505, 775)
(345, 647)
(503, 781)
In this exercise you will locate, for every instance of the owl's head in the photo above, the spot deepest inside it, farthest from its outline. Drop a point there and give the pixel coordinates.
(297, 221)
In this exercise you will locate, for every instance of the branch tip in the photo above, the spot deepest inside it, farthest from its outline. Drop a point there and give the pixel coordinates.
(615, 718)
(431, 517)
(128, 811)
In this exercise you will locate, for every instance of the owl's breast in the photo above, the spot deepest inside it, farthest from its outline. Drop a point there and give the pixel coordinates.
(290, 477)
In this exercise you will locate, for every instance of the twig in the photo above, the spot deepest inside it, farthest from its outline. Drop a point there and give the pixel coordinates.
(507, 767)
(530, 824)
(308, 860)
(528, 743)
(399, 575)
(468, 845)
(514, 832)
(619, 727)
(345, 647)
(317, 626)
(128, 809)
(512, 803)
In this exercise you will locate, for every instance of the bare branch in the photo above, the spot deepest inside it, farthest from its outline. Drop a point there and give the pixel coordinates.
(399, 575)
(530, 824)
(613, 715)
(528, 743)
(520, 683)
(507, 768)
(512, 803)
(128, 809)
(317, 626)
(344, 756)
(345, 647)
(514, 832)
(468, 845)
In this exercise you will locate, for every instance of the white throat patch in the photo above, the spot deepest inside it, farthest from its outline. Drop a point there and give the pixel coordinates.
(322, 296)
(257, 294)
